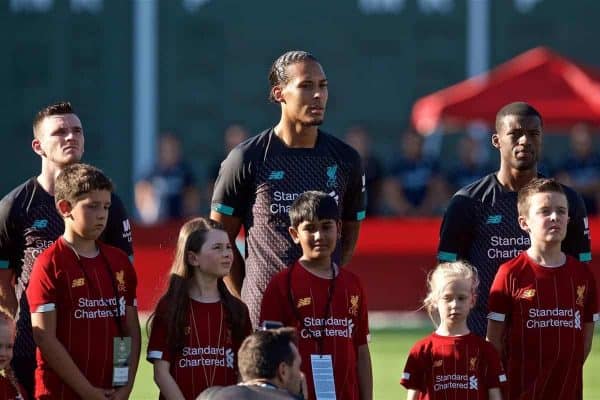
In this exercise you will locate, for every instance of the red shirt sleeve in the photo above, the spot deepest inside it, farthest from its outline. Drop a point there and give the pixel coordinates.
(273, 302)
(42, 284)
(157, 343)
(591, 306)
(500, 300)
(131, 296)
(414, 370)
(495, 376)
(362, 334)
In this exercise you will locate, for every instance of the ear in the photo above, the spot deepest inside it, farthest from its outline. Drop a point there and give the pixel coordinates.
(192, 258)
(282, 371)
(523, 223)
(64, 208)
(36, 145)
(277, 93)
(294, 234)
(495, 140)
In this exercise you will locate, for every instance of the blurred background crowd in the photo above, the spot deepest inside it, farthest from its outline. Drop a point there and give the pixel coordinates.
(165, 88)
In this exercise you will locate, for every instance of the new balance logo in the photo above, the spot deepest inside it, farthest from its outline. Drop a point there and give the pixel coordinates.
(528, 294)
(40, 224)
(304, 302)
(276, 175)
(78, 282)
(494, 219)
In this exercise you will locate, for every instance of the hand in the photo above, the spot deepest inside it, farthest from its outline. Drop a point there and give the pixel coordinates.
(303, 386)
(121, 393)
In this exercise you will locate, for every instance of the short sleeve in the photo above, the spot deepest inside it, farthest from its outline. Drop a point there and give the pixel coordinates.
(118, 229)
(413, 376)
(577, 242)
(232, 187)
(362, 334)
(131, 296)
(495, 377)
(456, 231)
(500, 300)
(42, 290)
(158, 348)
(356, 192)
(273, 302)
(591, 312)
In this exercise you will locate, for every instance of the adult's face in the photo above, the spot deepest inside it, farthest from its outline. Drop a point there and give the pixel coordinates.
(59, 138)
(304, 96)
(519, 140)
(291, 377)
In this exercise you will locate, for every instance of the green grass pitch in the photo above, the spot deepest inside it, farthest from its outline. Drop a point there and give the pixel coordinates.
(388, 351)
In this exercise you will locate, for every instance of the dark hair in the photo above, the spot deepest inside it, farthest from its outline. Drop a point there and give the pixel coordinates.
(78, 179)
(278, 72)
(538, 185)
(261, 353)
(311, 206)
(519, 109)
(173, 306)
(60, 108)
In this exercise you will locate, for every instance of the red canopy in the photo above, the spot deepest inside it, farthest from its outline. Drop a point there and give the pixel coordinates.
(563, 91)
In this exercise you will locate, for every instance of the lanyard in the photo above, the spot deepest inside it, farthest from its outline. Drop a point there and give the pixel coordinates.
(326, 312)
(108, 270)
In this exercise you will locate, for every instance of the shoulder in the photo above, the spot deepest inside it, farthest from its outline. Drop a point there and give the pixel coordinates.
(19, 196)
(55, 255)
(515, 265)
(423, 345)
(338, 146)
(349, 277)
(574, 199)
(252, 148)
(480, 190)
(114, 254)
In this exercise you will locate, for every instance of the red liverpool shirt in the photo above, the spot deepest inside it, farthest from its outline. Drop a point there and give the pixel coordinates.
(209, 354)
(8, 390)
(341, 330)
(83, 295)
(453, 367)
(545, 310)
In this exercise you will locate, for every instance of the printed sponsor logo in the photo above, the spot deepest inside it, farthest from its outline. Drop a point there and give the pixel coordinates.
(127, 230)
(494, 219)
(40, 224)
(553, 318)
(78, 282)
(304, 302)
(206, 356)
(504, 248)
(106, 307)
(276, 175)
(330, 327)
(455, 381)
(528, 294)
(473, 382)
(364, 183)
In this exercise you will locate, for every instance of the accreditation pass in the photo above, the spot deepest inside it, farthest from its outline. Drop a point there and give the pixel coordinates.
(322, 372)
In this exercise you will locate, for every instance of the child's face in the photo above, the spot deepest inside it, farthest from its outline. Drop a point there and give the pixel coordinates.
(455, 301)
(88, 215)
(215, 255)
(317, 238)
(547, 218)
(7, 338)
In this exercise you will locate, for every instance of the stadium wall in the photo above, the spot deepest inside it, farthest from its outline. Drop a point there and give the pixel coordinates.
(392, 259)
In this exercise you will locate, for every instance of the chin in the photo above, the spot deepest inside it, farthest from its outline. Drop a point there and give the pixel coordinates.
(314, 122)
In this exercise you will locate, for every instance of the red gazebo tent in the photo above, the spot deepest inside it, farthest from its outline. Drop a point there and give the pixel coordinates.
(563, 91)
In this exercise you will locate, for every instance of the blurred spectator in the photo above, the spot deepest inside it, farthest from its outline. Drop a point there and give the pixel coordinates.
(169, 191)
(414, 186)
(359, 138)
(469, 167)
(233, 135)
(581, 169)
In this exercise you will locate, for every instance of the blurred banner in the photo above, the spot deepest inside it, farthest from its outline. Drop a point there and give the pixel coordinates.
(392, 259)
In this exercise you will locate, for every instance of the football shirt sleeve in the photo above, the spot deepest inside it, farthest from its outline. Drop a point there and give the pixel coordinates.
(495, 376)
(356, 193)
(457, 229)
(577, 242)
(6, 235)
(414, 371)
(118, 229)
(42, 290)
(231, 191)
(131, 296)
(362, 334)
(157, 342)
(273, 302)
(499, 301)
(591, 312)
